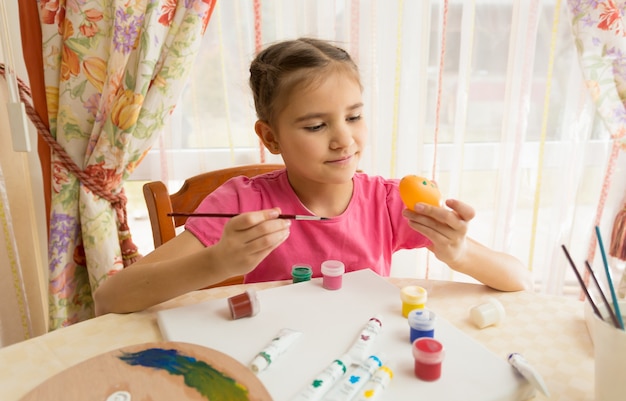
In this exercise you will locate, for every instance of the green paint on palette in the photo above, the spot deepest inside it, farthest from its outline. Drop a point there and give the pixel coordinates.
(208, 381)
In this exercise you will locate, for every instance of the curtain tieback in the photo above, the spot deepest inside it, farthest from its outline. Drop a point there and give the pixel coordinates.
(130, 252)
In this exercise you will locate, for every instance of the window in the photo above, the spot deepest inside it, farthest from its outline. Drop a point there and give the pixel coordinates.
(512, 115)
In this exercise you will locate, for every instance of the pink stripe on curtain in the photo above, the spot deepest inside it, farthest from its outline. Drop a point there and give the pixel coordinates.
(258, 43)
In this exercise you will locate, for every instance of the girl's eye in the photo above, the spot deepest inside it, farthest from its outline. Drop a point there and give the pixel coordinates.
(314, 128)
(354, 118)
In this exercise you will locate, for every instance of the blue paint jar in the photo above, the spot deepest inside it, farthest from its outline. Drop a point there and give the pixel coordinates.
(421, 323)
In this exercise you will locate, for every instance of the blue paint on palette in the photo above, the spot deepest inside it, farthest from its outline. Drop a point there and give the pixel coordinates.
(208, 381)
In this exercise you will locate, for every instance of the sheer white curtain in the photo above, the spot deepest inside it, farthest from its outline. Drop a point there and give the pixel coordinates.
(23, 307)
(484, 96)
(23, 278)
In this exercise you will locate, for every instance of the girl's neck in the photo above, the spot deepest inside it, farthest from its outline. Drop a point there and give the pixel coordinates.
(327, 200)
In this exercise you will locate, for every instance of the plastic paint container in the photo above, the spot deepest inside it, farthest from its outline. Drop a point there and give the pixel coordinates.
(245, 304)
(421, 323)
(487, 314)
(301, 272)
(413, 297)
(332, 274)
(428, 354)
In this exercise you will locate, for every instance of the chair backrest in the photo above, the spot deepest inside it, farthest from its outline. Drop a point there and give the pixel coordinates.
(160, 202)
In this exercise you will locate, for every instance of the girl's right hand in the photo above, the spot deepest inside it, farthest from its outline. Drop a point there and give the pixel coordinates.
(249, 237)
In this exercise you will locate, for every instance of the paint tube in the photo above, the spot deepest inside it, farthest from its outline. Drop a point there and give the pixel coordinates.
(320, 385)
(529, 372)
(362, 347)
(376, 384)
(355, 379)
(279, 344)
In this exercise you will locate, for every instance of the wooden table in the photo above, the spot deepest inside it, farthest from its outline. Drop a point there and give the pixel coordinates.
(549, 331)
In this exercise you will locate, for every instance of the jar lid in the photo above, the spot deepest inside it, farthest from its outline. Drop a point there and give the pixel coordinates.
(422, 319)
(488, 313)
(413, 294)
(301, 272)
(428, 350)
(333, 268)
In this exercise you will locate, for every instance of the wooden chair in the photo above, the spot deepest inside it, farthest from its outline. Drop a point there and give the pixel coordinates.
(160, 202)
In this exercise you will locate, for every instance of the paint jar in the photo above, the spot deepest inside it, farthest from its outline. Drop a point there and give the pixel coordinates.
(301, 272)
(421, 323)
(332, 274)
(413, 297)
(428, 354)
(487, 314)
(245, 304)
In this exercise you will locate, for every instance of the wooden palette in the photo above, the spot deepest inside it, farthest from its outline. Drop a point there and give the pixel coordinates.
(154, 371)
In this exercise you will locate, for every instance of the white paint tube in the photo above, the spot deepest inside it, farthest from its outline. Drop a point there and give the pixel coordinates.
(279, 344)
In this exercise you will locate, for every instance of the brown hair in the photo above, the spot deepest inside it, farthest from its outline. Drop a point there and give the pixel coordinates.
(279, 68)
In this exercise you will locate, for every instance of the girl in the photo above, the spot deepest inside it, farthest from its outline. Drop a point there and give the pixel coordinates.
(308, 100)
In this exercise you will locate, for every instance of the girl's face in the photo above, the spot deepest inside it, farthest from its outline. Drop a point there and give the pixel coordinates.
(321, 132)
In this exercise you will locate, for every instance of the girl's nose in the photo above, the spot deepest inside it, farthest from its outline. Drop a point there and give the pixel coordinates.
(341, 137)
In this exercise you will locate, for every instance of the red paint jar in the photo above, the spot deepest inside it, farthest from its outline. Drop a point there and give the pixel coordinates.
(244, 305)
(428, 354)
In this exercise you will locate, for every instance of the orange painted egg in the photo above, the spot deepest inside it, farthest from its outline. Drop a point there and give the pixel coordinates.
(415, 189)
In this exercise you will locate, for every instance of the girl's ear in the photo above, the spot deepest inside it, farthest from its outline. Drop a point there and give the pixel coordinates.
(267, 136)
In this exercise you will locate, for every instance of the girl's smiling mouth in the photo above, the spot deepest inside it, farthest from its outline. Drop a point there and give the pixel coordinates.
(342, 160)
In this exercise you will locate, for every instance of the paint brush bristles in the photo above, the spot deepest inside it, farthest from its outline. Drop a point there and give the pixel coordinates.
(618, 313)
(606, 301)
(227, 215)
(582, 283)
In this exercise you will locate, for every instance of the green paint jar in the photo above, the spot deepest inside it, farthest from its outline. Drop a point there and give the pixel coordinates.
(301, 272)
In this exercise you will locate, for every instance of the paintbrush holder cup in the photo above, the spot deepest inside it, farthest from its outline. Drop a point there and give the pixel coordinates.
(609, 345)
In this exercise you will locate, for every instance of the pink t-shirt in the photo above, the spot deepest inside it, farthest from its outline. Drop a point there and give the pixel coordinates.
(364, 236)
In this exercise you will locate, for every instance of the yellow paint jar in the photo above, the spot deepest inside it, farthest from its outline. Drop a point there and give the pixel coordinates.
(413, 297)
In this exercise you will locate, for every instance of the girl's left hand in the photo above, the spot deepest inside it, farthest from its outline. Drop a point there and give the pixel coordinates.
(445, 228)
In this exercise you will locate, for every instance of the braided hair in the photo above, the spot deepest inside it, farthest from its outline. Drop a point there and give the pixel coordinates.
(277, 70)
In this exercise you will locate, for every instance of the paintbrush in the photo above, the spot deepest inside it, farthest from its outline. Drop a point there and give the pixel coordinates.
(227, 215)
(618, 313)
(582, 283)
(606, 301)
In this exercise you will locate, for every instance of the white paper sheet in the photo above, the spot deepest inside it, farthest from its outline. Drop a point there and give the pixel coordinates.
(330, 322)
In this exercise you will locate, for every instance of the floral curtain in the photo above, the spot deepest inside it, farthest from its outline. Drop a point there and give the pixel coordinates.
(599, 28)
(113, 73)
